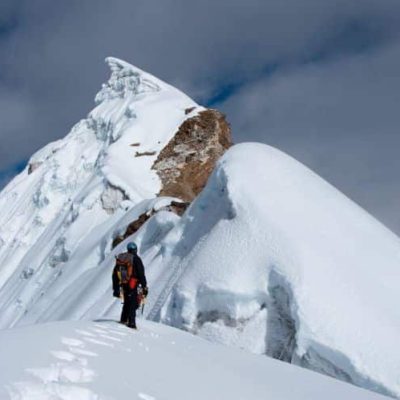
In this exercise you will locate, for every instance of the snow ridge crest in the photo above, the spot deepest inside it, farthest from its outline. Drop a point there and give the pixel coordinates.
(126, 80)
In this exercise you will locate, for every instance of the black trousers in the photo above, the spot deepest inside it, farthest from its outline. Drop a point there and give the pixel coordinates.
(130, 306)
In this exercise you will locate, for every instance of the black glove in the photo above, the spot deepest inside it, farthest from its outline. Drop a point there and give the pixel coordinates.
(116, 293)
(145, 291)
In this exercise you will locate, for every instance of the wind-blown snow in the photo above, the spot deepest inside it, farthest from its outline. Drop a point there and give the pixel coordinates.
(104, 360)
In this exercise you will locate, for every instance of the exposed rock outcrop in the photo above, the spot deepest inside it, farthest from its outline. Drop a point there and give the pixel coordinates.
(145, 153)
(33, 166)
(185, 164)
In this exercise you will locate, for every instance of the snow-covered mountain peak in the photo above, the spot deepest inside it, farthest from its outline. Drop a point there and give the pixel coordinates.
(126, 80)
(84, 183)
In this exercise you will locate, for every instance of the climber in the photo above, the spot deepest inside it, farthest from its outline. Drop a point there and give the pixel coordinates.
(127, 275)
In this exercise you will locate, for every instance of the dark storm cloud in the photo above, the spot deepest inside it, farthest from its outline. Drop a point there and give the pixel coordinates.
(265, 58)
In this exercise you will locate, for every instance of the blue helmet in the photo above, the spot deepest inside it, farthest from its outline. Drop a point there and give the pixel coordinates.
(132, 247)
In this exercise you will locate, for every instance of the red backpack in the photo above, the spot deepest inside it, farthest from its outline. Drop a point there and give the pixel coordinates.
(126, 270)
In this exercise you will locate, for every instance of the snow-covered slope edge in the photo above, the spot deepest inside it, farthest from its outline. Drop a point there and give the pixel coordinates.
(104, 360)
(273, 259)
(74, 190)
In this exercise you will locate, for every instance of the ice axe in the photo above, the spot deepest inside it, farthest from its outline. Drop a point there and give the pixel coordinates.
(143, 303)
(141, 299)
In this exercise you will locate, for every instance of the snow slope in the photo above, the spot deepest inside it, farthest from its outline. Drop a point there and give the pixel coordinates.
(273, 259)
(105, 361)
(269, 257)
(56, 215)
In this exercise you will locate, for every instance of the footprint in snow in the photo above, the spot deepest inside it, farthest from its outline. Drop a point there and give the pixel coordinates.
(105, 334)
(70, 357)
(58, 381)
(117, 329)
(145, 396)
(72, 342)
(62, 373)
(82, 352)
(111, 338)
(84, 333)
(100, 342)
(117, 332)
(100, 331)
(61, 380)
(100, 327)
(51, 391)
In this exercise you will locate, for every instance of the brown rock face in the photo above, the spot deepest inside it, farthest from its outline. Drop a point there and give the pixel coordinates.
(185, 164)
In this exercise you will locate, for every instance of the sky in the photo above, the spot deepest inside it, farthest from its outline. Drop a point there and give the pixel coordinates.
(318, 79)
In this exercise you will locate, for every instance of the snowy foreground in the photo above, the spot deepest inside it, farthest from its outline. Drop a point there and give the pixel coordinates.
(105, 361)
